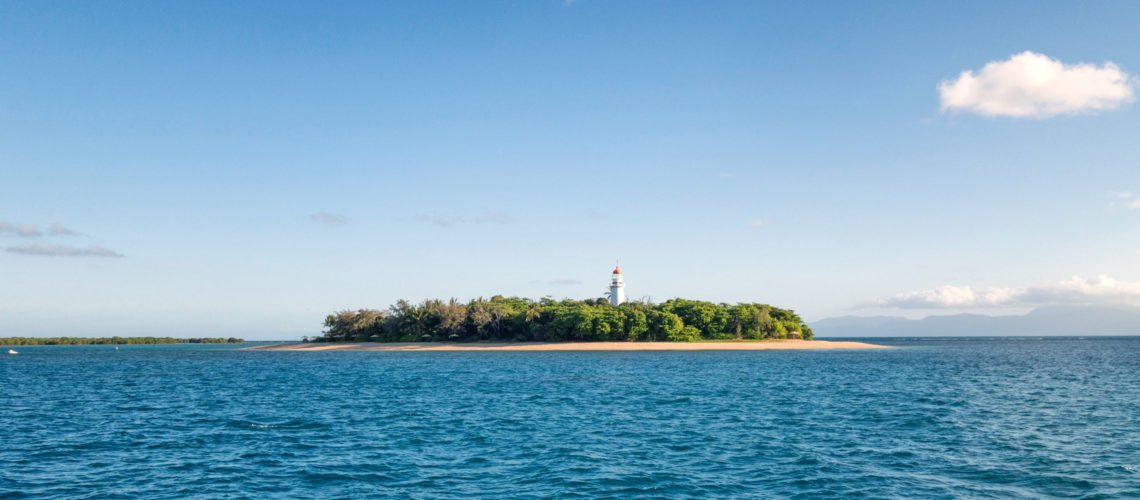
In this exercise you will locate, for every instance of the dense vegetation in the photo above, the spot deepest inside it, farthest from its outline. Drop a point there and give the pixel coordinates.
(518, 319)
(113, 340)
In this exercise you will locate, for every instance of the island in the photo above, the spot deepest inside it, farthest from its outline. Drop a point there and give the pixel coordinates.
(33, 341)
(521, 324)
(747, 345)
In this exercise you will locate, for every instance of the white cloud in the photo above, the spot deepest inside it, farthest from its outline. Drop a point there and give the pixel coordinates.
(21, 230)
(1124, 198)
(329, 219)
(493, 217)
(947, 296)
(437, 220)
(1076, 290)
(758, 223)
(1034, 85)
(448, 220)
(63, 251)
(58, 230)
(33, 230)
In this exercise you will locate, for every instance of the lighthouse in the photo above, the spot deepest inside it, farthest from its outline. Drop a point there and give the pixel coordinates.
(617, 287)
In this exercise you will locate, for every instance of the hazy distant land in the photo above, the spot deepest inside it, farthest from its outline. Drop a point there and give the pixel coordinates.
(1054, 320)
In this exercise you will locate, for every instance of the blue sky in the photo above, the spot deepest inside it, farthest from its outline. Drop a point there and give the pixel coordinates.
(245, 168)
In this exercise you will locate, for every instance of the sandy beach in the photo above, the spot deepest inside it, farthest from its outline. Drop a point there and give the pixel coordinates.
(574, 346)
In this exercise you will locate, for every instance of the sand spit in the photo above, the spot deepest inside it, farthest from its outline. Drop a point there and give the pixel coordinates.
(573, 346)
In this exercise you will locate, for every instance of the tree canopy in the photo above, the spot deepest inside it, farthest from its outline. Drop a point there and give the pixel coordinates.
(519, 319)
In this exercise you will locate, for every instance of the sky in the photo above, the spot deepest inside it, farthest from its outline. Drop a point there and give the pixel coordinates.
(244, 168)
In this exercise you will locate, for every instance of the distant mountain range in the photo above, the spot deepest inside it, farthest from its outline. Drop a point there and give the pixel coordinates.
(1052, 320)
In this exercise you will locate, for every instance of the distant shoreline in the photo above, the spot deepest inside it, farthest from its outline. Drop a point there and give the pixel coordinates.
(766, 345)
(55, 341)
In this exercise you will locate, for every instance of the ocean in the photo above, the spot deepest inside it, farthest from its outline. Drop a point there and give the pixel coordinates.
(934, 418)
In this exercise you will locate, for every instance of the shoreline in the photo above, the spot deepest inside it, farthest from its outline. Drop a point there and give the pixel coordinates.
(765, 345)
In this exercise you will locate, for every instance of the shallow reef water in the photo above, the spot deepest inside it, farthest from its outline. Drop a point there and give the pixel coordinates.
(932, 418)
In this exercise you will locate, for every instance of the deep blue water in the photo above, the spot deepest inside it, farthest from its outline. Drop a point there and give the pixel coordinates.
(1026, 418)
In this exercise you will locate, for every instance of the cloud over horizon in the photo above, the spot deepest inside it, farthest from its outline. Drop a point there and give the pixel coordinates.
(1034, 85)
(63, 251)
(1125, 198)
(1077, 290)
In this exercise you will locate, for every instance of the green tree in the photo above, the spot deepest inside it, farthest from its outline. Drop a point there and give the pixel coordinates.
(513, 318)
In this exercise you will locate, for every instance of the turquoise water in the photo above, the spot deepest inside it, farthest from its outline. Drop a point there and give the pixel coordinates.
(1026, 418)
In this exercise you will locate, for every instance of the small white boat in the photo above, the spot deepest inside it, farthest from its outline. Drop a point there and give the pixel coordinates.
(12, 351)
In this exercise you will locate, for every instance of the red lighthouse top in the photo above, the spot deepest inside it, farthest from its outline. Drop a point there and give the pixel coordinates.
(617, 269)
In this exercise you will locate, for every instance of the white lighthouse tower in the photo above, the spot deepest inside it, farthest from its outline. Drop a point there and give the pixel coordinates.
(617, 287)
